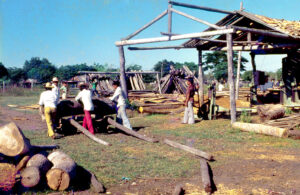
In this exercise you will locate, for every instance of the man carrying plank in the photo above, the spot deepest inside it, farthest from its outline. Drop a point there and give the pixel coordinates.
(121, 105)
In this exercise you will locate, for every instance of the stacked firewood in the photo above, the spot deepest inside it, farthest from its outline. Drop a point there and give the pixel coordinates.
(31, 166)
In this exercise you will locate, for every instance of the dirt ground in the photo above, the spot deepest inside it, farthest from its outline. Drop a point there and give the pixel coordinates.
(249, 169)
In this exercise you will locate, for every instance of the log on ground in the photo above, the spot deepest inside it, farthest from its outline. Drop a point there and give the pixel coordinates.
(261, 129)
(63, 171)
(270, 111)
(12, 141)
(189, 149)
(205, 176)
(36, 168)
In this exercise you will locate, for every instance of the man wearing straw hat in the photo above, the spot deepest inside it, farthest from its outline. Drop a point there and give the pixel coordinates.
(48, 102)
(85, 95)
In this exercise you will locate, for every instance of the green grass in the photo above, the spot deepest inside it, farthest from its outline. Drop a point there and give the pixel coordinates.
(133, 158)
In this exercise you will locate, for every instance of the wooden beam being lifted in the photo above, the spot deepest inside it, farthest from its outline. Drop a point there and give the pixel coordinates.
(197, 19)
(173, 38)
(200, 7)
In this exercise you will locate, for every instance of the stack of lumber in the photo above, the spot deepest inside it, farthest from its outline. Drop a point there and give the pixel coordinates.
(289, 122)
(157, 103)
(244, 93)
(105, 84)
(175, 81)
(136, 82)
(30, 165)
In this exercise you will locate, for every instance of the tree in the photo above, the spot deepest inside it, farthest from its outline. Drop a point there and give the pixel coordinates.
(163, 66)
(279, 74)
(134, 67)
(217, 63)
(68, 71)
(42, 70)
(247, 75)
(16, 74)
(3, 71)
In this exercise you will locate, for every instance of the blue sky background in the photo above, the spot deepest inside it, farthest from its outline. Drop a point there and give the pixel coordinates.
(84, 31)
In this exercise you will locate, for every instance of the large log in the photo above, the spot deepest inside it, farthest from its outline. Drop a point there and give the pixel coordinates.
(87, 133)
(270, 111)
(62, 172)
(189, 149)
(36, 168)
(12, 141)
(22, 163)
(261, 129)
(130, 132)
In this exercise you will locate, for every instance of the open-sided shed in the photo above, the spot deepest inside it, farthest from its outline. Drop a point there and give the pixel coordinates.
(237, 31)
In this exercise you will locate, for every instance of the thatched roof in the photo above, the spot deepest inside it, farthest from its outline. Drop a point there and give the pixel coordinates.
(289, 27)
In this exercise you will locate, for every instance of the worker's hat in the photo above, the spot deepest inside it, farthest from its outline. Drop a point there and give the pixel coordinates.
(55, 79)
(48, 85)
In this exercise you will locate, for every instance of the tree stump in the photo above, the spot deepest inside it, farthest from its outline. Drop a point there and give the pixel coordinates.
(62, 172)
(12, 141)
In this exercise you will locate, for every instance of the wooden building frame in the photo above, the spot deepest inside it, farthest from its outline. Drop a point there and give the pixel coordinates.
(238, 31)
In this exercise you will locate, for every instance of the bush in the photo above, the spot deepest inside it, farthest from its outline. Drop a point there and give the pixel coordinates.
(245, 116)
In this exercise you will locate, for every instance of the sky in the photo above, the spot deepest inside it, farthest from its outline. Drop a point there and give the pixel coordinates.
(70, 32)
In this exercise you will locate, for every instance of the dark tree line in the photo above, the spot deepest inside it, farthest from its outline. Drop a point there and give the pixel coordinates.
(214, 66)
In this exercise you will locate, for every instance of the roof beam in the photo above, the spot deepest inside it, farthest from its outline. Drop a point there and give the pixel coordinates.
(147, 25)
(257, 47)
(264, 32)
(175, 37)
(197, 19)
(161, 47)
(200, 7)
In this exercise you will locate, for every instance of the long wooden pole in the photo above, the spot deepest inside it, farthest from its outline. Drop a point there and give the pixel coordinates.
(200, 78)
(258, 47)
(264, 32)
(158, 83)
(237, 86)
(231, 78)
(147, 25)
(197, 19)
(200, 7)
(87, 133)
(189, 149)
(122, 71)
(175, 37)
(130, 132)
(160, 47)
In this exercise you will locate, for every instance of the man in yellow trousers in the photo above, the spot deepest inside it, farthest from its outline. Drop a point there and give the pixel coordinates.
(48, 102)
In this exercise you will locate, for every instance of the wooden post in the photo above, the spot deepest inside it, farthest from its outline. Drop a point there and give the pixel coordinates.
(231, 77)
(253, 77)
(200, 78)
(158, 83)
(238, 75)
(170, 18)
(3, 89)
(122, 71)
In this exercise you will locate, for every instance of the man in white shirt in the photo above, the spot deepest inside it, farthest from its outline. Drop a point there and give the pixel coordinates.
(48, 102)
(55, 88)
(85, 96)
(121, 105)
